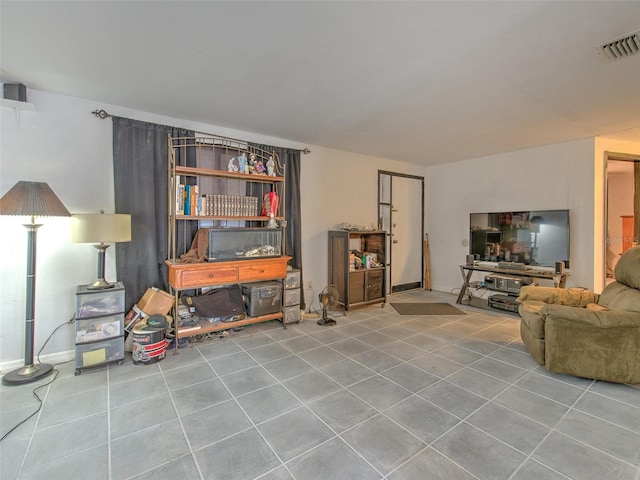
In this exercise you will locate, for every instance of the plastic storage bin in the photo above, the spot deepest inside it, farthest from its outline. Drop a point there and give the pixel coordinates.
(292, 280)
(291, 314)
(93, 303)
(98, 353)
(99, 328)
(292, 297)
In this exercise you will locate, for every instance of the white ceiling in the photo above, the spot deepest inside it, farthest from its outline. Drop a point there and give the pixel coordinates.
(424, 82)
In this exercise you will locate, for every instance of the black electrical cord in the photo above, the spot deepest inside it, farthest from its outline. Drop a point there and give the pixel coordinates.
(55, 372)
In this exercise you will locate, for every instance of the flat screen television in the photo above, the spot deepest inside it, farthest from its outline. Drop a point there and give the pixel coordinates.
(535, 237)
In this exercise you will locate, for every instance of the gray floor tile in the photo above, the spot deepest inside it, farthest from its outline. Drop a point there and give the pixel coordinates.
(375, 339)
(624, 393)
(189, 375)
(311, 385)
(92, 463)
(183, 468)
(288, 367)
(294, 433)
(248, 380)
(612, 439)
(478, 383)
(128, 372)
(12, 452)
(432, 465)
(199, 396)
(580, 461)
(321, 356)
(352, 329)
(137, 416)
(344, 464)
(68, 438)
(279, 473)
(478, 452)
(514, 357)
(254, 339)
(421, 418)
(383, 443)
(266, 403)
(301, 344)
(533, 470)
(377, 360)
(457, 354)
(212, 424)
(379, 392)
(498, 369)
(328, 336)
(350, 347)
(23, 419)
(425, 342)
(410, 377)
(132, 391)
(342, 410)
(347, 372)
(185, 356)
(397, 331)
(513, 429)
(268, 353)
(621, 414)
(527, 403)
(145, 449)
(452, 398)
(436, 364)
(402, 350)
(241, 457)
(550, 388)
(88, 380)
(219, 347)
(232, 363)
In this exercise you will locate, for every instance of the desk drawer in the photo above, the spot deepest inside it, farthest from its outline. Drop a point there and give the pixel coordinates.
(204, 277)
(261, 271)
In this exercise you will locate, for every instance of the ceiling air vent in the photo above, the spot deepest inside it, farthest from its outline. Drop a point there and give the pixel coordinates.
(620, 48)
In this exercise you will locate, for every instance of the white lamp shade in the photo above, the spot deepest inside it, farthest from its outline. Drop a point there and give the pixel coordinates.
(100, 228)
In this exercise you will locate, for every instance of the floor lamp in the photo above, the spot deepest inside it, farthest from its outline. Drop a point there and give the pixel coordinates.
(31, 199)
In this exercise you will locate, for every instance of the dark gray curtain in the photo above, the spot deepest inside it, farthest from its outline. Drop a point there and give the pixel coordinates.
(293, 243)
(140, 164)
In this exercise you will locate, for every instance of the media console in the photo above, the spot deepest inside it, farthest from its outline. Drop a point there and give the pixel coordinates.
(507, 281)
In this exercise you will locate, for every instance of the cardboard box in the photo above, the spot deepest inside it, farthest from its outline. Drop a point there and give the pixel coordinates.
(155, 301)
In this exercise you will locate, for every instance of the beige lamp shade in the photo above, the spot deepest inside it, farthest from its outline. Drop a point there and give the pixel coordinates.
(100, 228)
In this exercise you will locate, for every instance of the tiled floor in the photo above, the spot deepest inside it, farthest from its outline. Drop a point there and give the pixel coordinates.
(379, 396)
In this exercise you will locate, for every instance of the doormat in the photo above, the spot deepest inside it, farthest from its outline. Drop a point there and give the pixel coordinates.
(429, 308)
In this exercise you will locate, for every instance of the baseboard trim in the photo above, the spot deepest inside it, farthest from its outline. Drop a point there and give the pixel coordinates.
(53, 358)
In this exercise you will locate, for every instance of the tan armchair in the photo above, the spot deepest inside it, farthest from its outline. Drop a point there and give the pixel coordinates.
(578, 332)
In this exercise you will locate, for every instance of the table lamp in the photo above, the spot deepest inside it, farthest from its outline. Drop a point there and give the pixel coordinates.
(31, 199)
(100, 229)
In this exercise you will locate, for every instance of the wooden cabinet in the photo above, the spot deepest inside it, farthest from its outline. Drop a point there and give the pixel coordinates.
(228, 187)
(627, 232)
(356, 284)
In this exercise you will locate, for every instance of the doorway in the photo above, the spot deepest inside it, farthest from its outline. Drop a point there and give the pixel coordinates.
(622, 208)
(401, 215)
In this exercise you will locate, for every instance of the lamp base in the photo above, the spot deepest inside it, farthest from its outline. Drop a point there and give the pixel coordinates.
(100, 284)
(27, 374)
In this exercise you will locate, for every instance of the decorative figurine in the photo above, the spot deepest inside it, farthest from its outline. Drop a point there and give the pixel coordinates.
(231, 166)
(242, 162)
(271, 167)
(251, 164)
(259, 167)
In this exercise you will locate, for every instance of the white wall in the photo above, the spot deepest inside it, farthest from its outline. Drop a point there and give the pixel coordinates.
(64, 145)
(543, 178)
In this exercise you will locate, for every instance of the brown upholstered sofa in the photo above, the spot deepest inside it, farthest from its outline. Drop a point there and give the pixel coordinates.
(578, 332)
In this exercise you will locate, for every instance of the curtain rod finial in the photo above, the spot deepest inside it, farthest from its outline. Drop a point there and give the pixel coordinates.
(306, 151)
(101, 114)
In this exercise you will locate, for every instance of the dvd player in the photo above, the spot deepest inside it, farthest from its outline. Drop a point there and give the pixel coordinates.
(511, 265)
(504, 302)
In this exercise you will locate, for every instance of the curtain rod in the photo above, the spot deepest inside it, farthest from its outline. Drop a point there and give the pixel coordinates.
(102, 114)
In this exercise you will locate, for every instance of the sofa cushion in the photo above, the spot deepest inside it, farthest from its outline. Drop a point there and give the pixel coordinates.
(617, 296)
(530, 314)
(627, 269)
(575, 297)
(596, 307)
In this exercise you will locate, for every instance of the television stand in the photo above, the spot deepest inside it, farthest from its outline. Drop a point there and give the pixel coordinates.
(559, 279)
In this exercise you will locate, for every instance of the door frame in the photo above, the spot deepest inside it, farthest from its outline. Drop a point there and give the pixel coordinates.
(389, 206)
(619, 157)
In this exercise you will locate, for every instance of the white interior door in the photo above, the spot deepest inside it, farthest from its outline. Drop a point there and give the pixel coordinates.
(406, 233)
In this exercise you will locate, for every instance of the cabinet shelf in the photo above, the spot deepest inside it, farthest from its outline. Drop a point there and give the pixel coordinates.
(221, 217)
(204, 172)
(207, 327)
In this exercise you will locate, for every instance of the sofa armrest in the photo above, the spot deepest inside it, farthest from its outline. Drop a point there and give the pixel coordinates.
(596, 318)
(574, 297)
